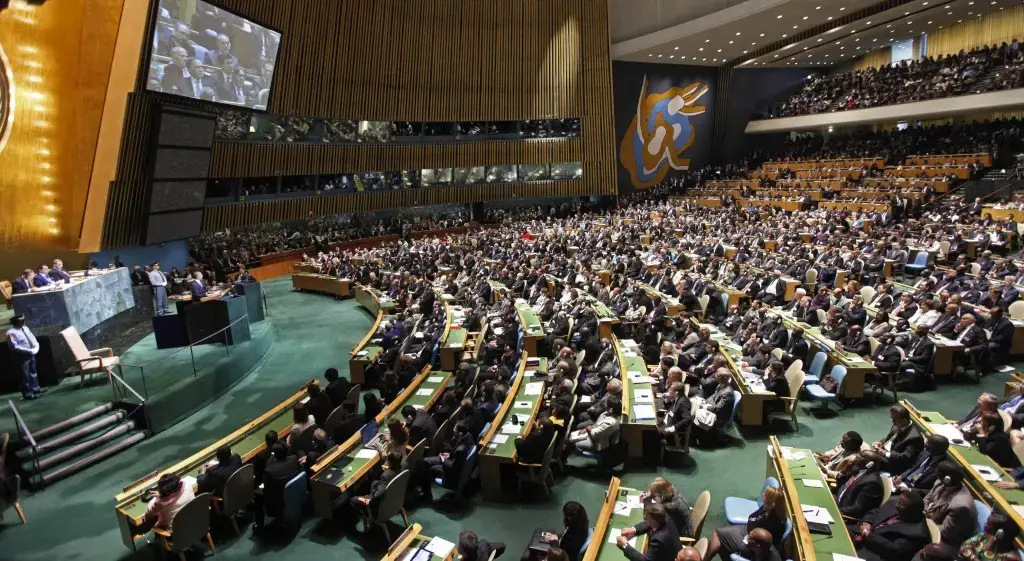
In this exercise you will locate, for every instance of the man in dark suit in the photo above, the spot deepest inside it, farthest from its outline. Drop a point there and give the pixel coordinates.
(367, 504)
(860, 490)
(280, 469)
(1010, 293)
(855, 342)
(319, 403)
(196, 287)
(679, 410)
(887, 357)
(797, 348)
(972, 337)
(174, 72)
(1001, 337)
(212, 479)
(350, 423)
(895, 530)
(42, 278)
(903, 443)
(662, 536)
(472, 548)
(920, 475)
(919, 358)
(23, 283)
(196, 81)
(338, 388)
(57, 273)
(221, 53)
(419, 423)
(447, 465)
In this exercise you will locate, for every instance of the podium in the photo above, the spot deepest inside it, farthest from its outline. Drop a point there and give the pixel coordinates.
(253, 294)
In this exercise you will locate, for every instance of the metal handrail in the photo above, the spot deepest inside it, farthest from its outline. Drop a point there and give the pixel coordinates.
(125, 384)
(189, 346)
(21, 423)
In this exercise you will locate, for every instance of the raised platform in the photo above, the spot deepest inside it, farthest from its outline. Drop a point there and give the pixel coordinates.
(175, 382)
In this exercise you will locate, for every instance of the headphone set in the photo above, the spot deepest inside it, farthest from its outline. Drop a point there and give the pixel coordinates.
(947, 480)
(999, 534)
(869, 465)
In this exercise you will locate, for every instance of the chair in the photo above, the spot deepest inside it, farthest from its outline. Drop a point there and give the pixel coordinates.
(777, 353)
(738, 509)
(238, 493)
(90, 362)
(415, 456)
(818, 393)
(353, 397)
(889, 378)
(983, 513)
(586, 542)
(975, 268)
(872, 344)
(579, 358)
(392, 503)
(538, 473)
(190, 525)
(1018, 450)
(933, 530)
(867, 293)
(822, 316)
(886, 487)
(1017, 310)
(702, 547)
(703, 301)
(725, 302)
(920, 261)
(816, 368)
(698, 515)
(294, 499)
(736, 398)
(559, 455)
(795, 378)
(468, 467)
(442, 434)
(333, 420)
(811, 280)
(304, 441)
(13, 500)
(7, 292)
(1007, 420)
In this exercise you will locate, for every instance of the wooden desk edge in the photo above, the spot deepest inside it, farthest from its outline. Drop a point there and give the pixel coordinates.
(509, 400)
(603, 520)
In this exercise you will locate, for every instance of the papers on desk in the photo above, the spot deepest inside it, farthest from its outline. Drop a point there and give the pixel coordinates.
(841, 557)
(627, 343)
(639, 378)
(534, 388)
(586, 399)
(816, 483)
(1006, 368)
(425, 392)
(628, 354)
(816, 514)
(577, 434)
(497, 440)
(189, 480)
(376, 341)
(644, 412)
(366, 454)
(613, 535)
(435, 379)
(304, 400)
(530, 373)
(1019, 509)
(440, 547)
(361, 354)
(986, 473)
(643, 396)
(509, 428)
(622, 509)
(950, 432)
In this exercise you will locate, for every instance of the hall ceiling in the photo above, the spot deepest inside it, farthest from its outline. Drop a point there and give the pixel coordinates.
(717, 32)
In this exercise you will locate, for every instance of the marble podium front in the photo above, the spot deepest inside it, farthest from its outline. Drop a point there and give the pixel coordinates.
(84, 304)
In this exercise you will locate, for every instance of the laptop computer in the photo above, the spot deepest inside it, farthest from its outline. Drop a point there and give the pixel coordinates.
(370, 434)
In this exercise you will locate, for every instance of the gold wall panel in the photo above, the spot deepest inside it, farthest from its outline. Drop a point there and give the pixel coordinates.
(991, 29)
(60, 55)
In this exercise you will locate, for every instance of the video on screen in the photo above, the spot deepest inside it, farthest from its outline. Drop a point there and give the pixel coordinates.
(205, 52)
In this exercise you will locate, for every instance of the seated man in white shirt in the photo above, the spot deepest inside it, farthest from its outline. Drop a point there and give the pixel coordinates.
(170, 496)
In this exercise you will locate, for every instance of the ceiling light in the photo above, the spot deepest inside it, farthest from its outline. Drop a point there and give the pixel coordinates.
(929, 23)
(779, 16)
(671, 56)
(730, 42)
(794, 27)
(659, 56)
(707, 40)
(888, 26)
(784, 35)
(868, 23)
(776, 56)
(650, 54)
(819, 40)
(805, 17)
(719, 50)
(704, 59)
(818, 8)
(829, 18)
(701, 49)
(843, 8)
(762, 35)
(677, 48)
(744, 52)
(737, 33)
(714, 60)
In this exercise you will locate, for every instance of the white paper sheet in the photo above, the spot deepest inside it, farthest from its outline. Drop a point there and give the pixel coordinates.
(440, 547)
(499, 439)
(950, 432)
(622, 509)
(987, 473)
(841, 557)
(644, 412)
(189, 480)
(643, 396)
(627, 342)
(613, 535)
(509, 428)
(534, 388)
(586, 399)
(425, 392)
(813, 483)
(366, 453)
(435, 379)
(817, 514)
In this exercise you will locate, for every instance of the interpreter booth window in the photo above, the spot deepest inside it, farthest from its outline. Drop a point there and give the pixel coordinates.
(281, 129)
(336, 184)
(436, 177)
(374, 131)
(568, 170)
(469, 176)
(405, 130)
(565, 128)
(393, 180)
(369, 181)
(254, 188)
(533, 172)
(232, 125)
(535, 129)
(411, 179)
(503, 130)
(340, 131)
(501, 174)
(470, 130)
(439, 131)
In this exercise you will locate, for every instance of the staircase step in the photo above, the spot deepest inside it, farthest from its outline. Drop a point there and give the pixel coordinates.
(50, 460)
(55, 428)
(77, 434)
(51, 477)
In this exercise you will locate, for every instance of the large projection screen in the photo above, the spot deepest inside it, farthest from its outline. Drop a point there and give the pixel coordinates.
(211, 54)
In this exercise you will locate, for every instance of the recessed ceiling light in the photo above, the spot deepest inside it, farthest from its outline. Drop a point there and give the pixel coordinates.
(909, 22)
(874, 40)
(794, 27)
(776, 56)
(659, 56)
(805, 17)
(671, 56)
(784, 35)
(868, 23)
(707, 40)
(719, 50)
(829, 18)
(908, 13)
(650, 54)
(779, 16)
(762, 35)
(819, 40)
(682, 56)
(858, 39)
(888, 26)
(744, 52)
(929, 23)
(701, 49)
(704, 59)
(737, 33)
(752, 44)
(677, 48)
(818, 8)
(730, 42)
(843, 8)
(714, 60)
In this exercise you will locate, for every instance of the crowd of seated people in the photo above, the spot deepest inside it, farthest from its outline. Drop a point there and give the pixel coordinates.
(909, 81)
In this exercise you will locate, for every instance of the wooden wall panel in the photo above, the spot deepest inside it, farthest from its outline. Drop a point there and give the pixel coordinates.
(991, 29)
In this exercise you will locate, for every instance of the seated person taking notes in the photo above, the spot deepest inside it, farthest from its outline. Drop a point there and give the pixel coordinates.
(663, 539)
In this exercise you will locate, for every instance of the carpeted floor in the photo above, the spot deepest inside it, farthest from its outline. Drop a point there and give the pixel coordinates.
(75, 519)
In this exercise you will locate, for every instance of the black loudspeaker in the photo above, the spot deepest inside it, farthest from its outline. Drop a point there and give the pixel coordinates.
(179, 168)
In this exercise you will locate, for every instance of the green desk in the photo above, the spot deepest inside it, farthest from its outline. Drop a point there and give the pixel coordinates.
(674, 308)
(633, 429)
(412, 538)
(247, 442)
(857, 368)
(454, 341)
(751, 413)
(494, 456)
(999, 499)
(600, 549)
(533, 330)
(791, 473)
(331, 481)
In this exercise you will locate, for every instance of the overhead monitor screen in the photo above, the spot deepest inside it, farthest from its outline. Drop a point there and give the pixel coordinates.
(205, 52)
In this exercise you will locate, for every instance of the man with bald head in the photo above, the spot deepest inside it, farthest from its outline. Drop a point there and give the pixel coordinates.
(688, 553)
(175, 72)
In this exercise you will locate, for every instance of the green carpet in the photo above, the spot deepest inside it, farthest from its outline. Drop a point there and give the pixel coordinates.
(75, 519)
